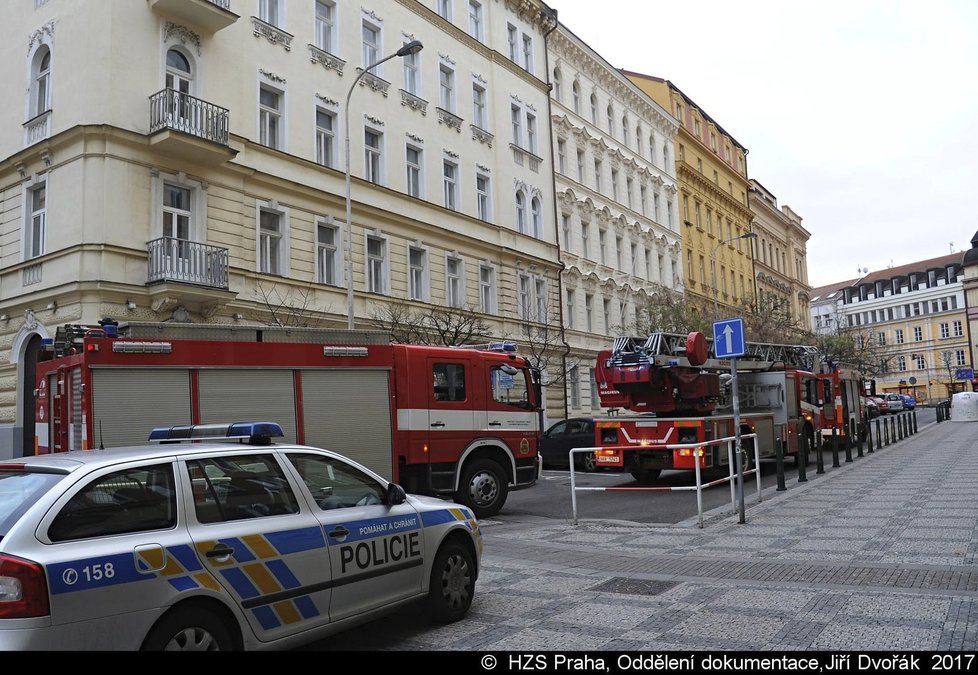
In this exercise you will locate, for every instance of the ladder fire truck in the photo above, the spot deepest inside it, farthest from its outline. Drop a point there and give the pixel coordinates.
(457, 423)
(677, 392)
(844, 410)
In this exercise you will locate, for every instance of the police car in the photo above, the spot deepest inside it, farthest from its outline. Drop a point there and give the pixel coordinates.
(189, 544)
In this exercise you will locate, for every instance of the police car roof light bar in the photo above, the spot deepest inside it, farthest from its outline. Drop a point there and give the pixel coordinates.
(256, 433)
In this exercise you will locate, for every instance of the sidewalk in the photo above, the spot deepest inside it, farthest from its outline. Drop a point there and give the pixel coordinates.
(878, 555)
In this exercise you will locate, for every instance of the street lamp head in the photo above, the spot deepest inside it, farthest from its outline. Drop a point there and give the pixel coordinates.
(412, 47)
(750, 235)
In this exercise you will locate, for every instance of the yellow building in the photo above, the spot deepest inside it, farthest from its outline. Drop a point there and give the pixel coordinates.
(711, 169)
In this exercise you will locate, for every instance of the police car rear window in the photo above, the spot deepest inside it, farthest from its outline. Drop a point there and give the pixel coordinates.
(18, 492)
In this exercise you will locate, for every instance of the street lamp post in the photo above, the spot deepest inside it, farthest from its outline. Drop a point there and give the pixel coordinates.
(412, 47)
(713, 266)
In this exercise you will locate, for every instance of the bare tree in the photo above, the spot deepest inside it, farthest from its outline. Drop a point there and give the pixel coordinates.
(542, 344)
(293, 308)
(858, 346)
(669, 311)
(431, 325)
(769, 319)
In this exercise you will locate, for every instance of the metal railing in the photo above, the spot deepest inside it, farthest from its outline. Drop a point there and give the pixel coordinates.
(170, 109)
(698, 487)
(172, 259)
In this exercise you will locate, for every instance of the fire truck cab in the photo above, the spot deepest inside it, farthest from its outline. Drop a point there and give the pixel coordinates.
(452, 422)
(844, 409)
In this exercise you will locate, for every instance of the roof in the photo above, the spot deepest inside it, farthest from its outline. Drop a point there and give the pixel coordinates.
(919, 266)
(823, 291)
(971, 255)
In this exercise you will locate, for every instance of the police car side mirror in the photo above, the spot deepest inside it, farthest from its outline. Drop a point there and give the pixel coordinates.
(395, 494)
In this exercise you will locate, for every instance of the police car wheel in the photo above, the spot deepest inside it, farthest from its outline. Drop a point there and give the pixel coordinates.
(483, 488)
(189, 631)
(452, 583)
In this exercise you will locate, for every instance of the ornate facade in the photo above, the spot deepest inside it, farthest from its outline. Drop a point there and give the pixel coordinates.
(618, 225)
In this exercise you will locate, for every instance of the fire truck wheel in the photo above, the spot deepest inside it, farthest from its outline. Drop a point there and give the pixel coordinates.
(452, 583)
(483, 488)
(645, 475)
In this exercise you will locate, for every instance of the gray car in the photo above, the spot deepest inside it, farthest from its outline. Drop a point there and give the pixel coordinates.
(894, 403)
(203, 546)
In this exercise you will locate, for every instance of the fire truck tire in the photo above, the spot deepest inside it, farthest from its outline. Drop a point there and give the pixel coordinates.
(189, 630)
(452, 583)
(645, 475)
(483, 488)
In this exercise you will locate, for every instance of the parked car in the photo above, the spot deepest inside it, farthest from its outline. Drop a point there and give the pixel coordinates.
(557, 442)
(872, 408)
(894, 403)
(909, 402)
(880, 403)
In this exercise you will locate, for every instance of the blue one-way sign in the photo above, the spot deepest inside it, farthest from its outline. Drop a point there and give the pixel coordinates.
(728, 338)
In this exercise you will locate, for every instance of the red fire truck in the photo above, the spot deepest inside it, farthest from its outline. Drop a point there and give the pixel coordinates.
(845, 405)
(678, 393)
(458, 423)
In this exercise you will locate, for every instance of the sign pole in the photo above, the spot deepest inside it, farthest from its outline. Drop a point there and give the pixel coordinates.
(737, 446)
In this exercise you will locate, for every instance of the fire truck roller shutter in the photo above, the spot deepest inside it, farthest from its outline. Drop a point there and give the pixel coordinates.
(348, 411)
(129, 402)
(236, 395)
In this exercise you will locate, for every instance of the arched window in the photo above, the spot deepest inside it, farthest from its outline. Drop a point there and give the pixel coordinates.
(41, 82)
(594, 109)
(557, 92)
(520, 212)
(624, 129)
(652, 148)
(611, 119)
(179, 77)
(665, 156)
(577, 98)
(638, 138)
(537, 218)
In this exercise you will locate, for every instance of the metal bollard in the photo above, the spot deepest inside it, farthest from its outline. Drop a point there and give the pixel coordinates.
(861, 429)
(779, 464)
(879, 438)
(886, 431)
(819, 460)
(849, 426)
(914, 413)
(835, 449)
(903, 425)
(801, 460)
(893, 435)
(906, 425)
(869, 435)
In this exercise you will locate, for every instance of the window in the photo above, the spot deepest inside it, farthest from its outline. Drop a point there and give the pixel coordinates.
(479, 116)
(450, 174)
(446, 78)
(327, 253)
(644, 198)
(509, 389)
(270, 236)
(589, 311)
(413, 163)
(36, 230)
(516, 117)
(945, 330)
(652, 156)
(449, 381)
(40, 100)
(376, 265)
(133, 500)
(594, 109)
(655, 212)
(475, 19)
(580, 166)
(619, 244)
(412, 73)
(899, 336)
(959, 357)
(454, 292)
(531, 133)
(557, 85)
(921, 363)
(445, 9)
(483, 203)
(325, 136)
(536, 217)
(958, 329)
(561, 156)
(614, 184)
(527, 53)
(606, 314)
(540, 294)
(325, 26)
(574, 378)
(417, 273)
(238, 488)
(595, 399)
(372, 155)
(487, 289)
(512, 39)
(520, 212)
(597, 175)
(603, 245)
(177, 219)
(918, 334)
(371, 46)
(565, 230)
(628, 192)
(624, 129)
(611, 120)
(523, 293)
(269, 117)
(335, 484)
(901, 363)
(586, 240)
(269, 11)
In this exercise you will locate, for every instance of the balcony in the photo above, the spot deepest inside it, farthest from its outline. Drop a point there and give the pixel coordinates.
(189, 128)
(37, 129)
(210, 15)
(187, 262)
(525, 157)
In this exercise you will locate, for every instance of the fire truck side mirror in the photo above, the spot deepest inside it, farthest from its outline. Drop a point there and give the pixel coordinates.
(395, 494)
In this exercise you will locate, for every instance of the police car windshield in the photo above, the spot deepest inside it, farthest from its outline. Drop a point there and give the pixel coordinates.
(18, 492)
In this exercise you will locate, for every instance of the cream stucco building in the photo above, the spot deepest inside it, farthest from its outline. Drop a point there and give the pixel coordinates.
(183, 160)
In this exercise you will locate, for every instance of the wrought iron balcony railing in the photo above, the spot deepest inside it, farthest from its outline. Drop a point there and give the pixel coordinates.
(170, 109)
(189, 262)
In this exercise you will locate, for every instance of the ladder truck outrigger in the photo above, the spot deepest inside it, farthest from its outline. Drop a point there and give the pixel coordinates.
(677, 392)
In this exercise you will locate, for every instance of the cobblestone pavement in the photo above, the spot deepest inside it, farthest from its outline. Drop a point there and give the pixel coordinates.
(876, 555)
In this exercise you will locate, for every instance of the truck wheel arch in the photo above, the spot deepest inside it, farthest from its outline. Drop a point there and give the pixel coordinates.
(487, 448)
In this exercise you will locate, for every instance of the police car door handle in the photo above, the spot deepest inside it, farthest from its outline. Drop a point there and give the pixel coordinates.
(220, 551)
(437, 424)
(339, 532)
